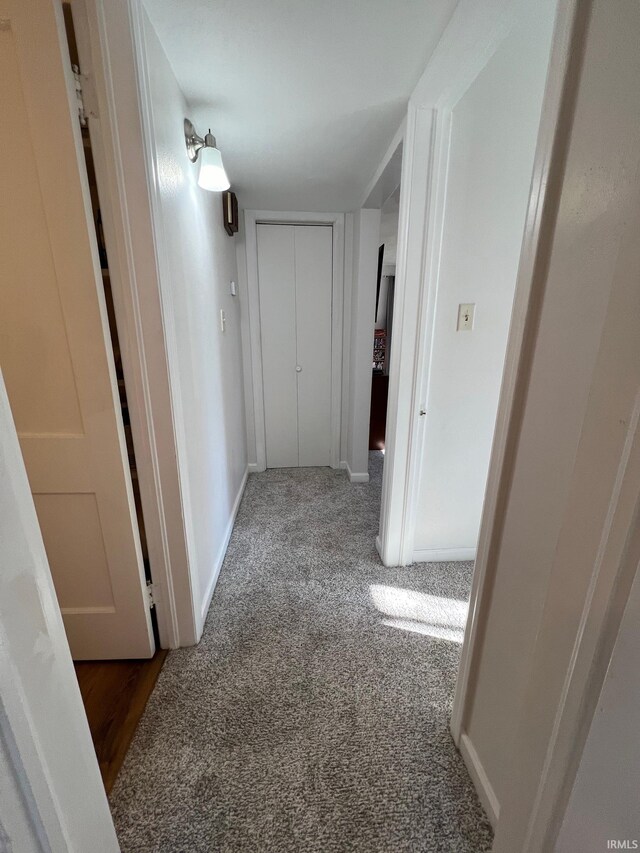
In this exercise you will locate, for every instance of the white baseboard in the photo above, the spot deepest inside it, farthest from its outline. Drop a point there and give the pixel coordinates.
(480, 780)
(222, 550)
(443, 555)
(355, 477)
(252, 468)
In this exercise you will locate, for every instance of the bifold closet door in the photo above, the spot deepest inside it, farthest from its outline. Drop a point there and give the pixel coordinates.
(313, 273)
(276, 282)
(295, 284)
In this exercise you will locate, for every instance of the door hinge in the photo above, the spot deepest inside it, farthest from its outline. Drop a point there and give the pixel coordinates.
(85, 96)
(150, 595)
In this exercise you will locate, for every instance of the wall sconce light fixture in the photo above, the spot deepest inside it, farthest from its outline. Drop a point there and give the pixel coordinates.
(212, 175)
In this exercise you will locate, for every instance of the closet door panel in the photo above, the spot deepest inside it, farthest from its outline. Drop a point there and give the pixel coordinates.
(313, 275)
(276, 284)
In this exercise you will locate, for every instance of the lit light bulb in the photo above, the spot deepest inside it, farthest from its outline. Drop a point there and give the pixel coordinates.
(212, 175)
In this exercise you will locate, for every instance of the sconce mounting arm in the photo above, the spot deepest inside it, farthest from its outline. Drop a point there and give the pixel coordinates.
(196, 143)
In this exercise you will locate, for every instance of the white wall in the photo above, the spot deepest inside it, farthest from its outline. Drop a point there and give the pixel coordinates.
(493, 138)
(389, 239)
(198, 262)
(389, 231)
(381, 316)
(604, 801)
(366, 241)
(557, 549)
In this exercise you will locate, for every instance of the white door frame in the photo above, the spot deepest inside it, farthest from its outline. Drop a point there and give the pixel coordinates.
(252, 219)
(110, 35)
(549, 740)
(526, 296)
(476, 31)
(474, 34)
(401, 407)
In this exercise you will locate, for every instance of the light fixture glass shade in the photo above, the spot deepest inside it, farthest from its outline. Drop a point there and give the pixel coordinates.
(212, 175)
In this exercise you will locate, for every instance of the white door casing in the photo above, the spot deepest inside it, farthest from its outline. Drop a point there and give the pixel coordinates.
(516, 349)
(109, 39)
(475, 31)
(55, 349)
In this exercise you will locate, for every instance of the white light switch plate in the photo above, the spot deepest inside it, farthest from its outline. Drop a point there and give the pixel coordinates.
(466, 310)
(232, 288)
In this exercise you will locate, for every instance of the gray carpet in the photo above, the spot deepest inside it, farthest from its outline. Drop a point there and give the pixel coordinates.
(313, 716)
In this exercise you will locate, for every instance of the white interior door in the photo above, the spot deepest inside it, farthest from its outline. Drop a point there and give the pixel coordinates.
(55, 349)
(295, 285)
(51, 794)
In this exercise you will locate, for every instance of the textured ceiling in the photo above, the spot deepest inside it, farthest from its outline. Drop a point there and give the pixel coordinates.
(303, 97)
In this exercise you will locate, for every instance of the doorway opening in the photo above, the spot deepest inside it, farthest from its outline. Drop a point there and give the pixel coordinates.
(383, 197)
(383, 321)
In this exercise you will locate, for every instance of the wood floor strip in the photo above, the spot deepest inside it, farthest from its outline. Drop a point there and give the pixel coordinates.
(115, 694)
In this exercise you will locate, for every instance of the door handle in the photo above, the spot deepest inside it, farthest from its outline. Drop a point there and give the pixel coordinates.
(298, 368)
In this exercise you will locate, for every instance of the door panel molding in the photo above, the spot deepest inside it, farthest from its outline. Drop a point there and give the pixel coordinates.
(112, 53)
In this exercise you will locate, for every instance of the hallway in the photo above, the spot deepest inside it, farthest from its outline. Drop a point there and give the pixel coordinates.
(314, 713)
